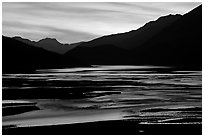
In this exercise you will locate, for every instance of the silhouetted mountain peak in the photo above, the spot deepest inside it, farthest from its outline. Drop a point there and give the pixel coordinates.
(50, 44)
(17, 37)
(24, 40)
(169, 17)
(49, 41)
(53, 45)
(165, 19)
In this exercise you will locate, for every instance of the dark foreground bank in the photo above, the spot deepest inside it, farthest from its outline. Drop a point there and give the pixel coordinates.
(118, 127)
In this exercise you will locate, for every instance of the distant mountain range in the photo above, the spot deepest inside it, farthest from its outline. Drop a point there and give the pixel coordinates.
(172, 40)
(49, 44)
(19, 57)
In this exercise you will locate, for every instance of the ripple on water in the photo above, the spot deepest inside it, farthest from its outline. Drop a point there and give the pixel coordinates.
(109, 92)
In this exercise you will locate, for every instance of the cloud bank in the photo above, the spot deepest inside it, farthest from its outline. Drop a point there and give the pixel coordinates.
(72, 22)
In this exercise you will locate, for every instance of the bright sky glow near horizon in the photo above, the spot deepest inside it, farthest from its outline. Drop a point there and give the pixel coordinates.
(71, 22)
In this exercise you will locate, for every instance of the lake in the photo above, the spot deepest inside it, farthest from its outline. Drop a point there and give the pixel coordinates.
(146, 94)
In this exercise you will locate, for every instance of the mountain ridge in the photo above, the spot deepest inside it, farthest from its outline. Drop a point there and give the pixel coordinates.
(118, 39)
(172, 40)
(19, 57)
(50, 44)
(151, 49)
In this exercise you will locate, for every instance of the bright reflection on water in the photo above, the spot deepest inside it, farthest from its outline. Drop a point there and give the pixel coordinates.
(140, 93)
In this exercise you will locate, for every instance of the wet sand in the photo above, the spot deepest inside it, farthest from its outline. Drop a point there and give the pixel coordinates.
(103, 101)
(116, 127)
(9, 109)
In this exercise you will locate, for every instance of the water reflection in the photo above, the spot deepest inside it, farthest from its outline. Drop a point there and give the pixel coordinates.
(138, 93)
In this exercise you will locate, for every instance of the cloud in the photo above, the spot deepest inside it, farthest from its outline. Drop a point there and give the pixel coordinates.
(73, 22)
(39, 31)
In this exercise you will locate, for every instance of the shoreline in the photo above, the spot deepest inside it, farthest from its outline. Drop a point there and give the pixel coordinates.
(113, 127)
(11, 109)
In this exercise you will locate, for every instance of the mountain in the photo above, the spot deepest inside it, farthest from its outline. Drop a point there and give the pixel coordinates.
(179, 44)
(172, 40)
(53, 45)
(137, 37)
(19, 57)
(49, 44)
(27, 41)
(115, 49)
(103, 54)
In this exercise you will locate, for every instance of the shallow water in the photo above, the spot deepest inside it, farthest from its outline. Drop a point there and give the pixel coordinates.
(76, 95)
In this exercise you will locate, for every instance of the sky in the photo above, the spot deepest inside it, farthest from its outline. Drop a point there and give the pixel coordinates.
(71, 22)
